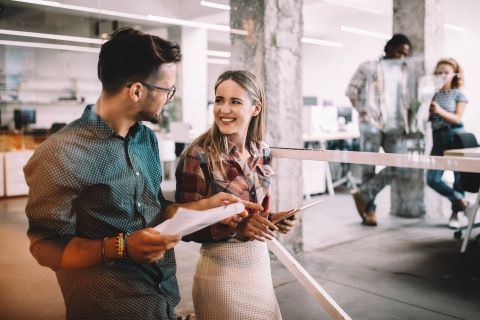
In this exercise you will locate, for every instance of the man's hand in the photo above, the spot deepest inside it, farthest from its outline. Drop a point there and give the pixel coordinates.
(148, 245)
(257, 227)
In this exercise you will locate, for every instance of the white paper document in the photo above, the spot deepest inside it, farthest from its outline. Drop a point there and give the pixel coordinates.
(187, 221)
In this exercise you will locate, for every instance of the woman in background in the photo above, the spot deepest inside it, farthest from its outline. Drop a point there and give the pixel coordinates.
(446, 111)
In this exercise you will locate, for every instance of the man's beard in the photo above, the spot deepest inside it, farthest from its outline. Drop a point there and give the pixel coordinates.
(148, 116)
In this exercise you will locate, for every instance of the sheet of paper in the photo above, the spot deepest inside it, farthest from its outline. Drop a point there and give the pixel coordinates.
(188, 221)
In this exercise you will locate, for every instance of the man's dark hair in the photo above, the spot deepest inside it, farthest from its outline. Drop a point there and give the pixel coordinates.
(397, 40)
(131, 55)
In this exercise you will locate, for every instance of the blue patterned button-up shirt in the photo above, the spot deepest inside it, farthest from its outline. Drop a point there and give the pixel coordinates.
(87, 181)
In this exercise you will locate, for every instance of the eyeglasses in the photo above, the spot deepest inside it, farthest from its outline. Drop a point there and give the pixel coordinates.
(170, 92)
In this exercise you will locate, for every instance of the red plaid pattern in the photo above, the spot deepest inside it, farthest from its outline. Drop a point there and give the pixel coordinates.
(240, 179)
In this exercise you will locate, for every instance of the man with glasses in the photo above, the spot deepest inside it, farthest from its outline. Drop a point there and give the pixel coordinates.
(95, 191)
(170, 92)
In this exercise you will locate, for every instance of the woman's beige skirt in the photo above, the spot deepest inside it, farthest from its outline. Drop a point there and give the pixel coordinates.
(233, 281)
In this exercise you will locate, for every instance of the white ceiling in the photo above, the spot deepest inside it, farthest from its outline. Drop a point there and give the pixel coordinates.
(322, 18)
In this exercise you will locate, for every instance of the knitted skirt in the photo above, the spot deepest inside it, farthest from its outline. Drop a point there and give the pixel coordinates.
(233, 281)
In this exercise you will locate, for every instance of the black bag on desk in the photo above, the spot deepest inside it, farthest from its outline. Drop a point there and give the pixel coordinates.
(468, 180)
(462, 139)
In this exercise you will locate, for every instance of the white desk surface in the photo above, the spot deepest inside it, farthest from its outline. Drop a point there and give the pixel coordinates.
(467, 152)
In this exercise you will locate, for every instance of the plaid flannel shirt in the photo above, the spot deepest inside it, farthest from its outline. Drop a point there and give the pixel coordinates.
(248, 181)
(366, 89)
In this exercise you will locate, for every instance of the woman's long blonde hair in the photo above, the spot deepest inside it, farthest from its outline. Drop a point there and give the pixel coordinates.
(213, 141)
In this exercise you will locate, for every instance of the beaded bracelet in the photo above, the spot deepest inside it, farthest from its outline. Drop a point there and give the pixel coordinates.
(120, 245)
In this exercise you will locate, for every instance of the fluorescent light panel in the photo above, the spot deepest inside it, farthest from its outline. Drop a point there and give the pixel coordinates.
(221, 54)
(164, 20)
(49, 46)
(366, 32)
(51, 36)
(321, 42)
(454, 27)
(356, 6)
(215, 5)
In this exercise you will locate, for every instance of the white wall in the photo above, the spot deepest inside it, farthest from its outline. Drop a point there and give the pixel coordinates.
(327, 71)
(465, 47)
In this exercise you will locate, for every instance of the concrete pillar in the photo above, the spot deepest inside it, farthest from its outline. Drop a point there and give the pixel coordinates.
(191, 99)
(272, 50)
(422, 22)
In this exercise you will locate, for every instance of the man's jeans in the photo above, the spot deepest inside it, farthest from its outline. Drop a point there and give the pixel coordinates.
(371, 139)
(443, 140)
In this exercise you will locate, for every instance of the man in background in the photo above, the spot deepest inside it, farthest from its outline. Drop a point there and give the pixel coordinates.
(379, 91)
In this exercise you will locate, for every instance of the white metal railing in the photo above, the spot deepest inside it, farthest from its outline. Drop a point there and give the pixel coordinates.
(370, 158)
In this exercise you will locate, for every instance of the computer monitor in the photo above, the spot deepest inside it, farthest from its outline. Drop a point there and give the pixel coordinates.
(346, 113)
(23, 117)
(310, 101)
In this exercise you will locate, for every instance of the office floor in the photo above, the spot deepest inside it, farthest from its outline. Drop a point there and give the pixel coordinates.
(402, 269)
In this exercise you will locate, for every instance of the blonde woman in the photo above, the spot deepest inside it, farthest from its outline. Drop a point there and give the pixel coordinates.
(446, 112)
(233, 278)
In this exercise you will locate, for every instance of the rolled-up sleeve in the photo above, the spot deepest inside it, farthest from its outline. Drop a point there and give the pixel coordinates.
(355, 86)
(53, 189)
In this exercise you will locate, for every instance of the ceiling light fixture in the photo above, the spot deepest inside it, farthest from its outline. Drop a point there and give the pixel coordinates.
(454, 27)
(356, 6)
(51, 36)
(321, 42)
(366, 32)
(215, 5)
(49, 46)
(221, 54)
(164, 20)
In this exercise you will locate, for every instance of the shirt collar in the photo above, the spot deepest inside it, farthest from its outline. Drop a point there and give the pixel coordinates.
(100, 128)
(253, 148)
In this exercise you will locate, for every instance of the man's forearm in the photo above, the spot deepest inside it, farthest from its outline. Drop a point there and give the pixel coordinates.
(83, 253)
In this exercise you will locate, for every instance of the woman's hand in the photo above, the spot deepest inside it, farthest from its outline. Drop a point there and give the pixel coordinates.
(285, 225)
(233, 221)
(434, 107)
(170, 211)
(223, 198)
(257, 227)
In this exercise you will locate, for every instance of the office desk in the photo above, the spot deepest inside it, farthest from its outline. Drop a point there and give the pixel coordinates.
(322, 138)
(471, 211)
(467, 152)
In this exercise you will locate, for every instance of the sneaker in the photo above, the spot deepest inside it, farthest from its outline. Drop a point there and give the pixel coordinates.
(454, 223)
